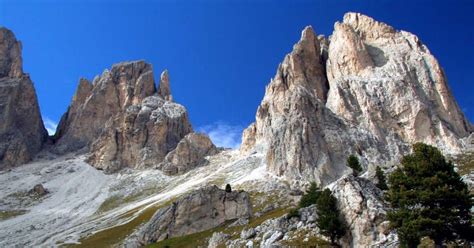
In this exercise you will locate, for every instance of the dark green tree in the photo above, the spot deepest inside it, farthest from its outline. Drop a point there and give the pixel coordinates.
(429, 199)
(329, 219)
(353, 163)
(228, 189)
(381, 181)
(311, 196)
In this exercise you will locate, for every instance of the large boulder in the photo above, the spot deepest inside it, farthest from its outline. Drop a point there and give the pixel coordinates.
(22, 133)
(200, 210)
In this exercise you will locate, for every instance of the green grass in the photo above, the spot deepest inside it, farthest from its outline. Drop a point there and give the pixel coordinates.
(118, 200)
(116, 234)
(465, 163)
(7, 214)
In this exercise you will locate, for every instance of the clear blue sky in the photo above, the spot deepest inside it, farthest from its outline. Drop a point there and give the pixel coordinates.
(220, 54)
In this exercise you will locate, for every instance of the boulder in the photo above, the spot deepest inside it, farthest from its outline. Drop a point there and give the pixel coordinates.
(200, 210)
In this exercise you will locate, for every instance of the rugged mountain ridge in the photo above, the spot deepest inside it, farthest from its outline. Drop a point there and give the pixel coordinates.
(22, 133)
(367, 90)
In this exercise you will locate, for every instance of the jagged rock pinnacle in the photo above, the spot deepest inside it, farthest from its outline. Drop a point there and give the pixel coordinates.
(164, 89)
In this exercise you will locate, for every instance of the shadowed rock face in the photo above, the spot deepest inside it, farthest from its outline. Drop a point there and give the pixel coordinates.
(189, 154)
(202, 209)
(22, 132)
(370, 90)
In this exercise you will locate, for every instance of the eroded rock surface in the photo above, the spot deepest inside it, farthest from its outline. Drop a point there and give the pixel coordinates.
(370, 90)
(141, 137)
(202, 209)
(122, 120)
(188, 154)
(365, 212)
(108, 96)
(22, 132)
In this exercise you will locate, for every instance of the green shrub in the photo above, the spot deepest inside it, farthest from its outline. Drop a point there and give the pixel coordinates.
(353, 163)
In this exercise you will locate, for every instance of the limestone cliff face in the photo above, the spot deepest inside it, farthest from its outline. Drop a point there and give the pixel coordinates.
(369, 90)
(391, 85)
(22, 132)
(122, 120)
(141, 137)
(94, 104)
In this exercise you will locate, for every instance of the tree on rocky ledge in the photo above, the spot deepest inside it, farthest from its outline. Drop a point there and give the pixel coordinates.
(353, 163)
(429, 199)
(311, 196)
(228, 189)
(329, 219)
(381, 181)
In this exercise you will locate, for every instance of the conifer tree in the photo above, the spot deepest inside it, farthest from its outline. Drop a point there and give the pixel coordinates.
(381, 181)
(228, 189)
(353, 163)
(429, 199)
(311, 196)
(329, 219)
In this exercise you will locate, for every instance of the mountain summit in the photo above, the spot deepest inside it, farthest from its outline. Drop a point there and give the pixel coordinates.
(367, 90)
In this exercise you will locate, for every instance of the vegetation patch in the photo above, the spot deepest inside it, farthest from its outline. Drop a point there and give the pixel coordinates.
(116, 234)
(465, 163)
(305, 239)
(7, 214)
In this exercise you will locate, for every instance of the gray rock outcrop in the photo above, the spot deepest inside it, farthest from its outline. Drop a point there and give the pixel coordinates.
(188, 154)
(365, 212)
(141, 137)
(202, 209)
(164, 89)
(369, 90)
(22, 133)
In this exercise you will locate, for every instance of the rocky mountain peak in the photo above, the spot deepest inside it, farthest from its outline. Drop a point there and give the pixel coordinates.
(22, 132)
(368, 28)
(11, 63)
(370, 90)
(94, 104)
(164, 89)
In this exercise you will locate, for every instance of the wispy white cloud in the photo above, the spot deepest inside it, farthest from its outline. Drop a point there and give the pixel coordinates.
(223, 134)
(50, 125)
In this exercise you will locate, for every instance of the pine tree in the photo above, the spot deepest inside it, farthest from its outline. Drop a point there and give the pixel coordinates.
(228, 189)
(381, 182)
(311, 196)
(429, 199)
(329, 219)
(353, 163)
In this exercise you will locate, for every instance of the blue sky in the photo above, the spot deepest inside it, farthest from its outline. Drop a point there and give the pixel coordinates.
(220, 54)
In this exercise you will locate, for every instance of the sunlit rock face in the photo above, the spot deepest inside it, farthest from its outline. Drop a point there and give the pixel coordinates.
(369, 90)
(122, 120)
(22, 133)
